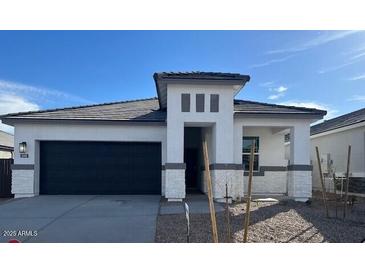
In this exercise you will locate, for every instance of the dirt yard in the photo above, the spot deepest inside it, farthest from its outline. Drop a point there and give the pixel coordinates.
(278, 222)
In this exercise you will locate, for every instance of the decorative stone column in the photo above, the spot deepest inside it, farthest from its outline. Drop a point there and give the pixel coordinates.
(300, 182)
(175, 166)
(299, 169)
(175, 181)
(22, 184)
(227, 166)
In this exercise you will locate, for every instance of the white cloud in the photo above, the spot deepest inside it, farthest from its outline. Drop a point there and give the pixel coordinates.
(355, 50)
(359, 77)
(281, 89)
(357, 98)
(275, 96)
(357, 56)
(10, 103)
(18, 97)
(337, 67)
(322, 39)
(331, 113)
(39, 94)
(267, 84)
(273, 61)
(279, 92)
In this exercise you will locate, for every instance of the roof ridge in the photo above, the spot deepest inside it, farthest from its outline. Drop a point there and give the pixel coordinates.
(201, 74)
(277, 105)
(197, 71)
(76, 107)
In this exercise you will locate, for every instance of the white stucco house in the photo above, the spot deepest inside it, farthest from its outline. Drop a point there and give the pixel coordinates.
(333, 138)
(153, 146)
(6, 145)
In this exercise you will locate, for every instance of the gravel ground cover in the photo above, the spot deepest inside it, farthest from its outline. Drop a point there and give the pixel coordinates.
(280, 222)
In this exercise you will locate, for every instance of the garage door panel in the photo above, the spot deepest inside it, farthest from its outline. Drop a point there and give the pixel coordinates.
(100, 168)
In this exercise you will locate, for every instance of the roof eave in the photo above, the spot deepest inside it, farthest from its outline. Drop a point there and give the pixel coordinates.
(302, 115)
(155, 77)
(351, 125)
(6, 148)
(11, 120)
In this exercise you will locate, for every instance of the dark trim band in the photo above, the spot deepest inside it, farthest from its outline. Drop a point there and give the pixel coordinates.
(22, 167)
(6, 148)
(218, 166)
(173, 166)
(300, 167)
(263, 169)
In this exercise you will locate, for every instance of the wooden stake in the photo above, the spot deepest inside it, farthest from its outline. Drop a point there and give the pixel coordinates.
(347, 182)
(335, 191)
(249, 191)
(210, 193)
(228, 217)
(324, 195)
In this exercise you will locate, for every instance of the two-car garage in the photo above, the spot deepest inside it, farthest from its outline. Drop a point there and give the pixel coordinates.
(79, 167)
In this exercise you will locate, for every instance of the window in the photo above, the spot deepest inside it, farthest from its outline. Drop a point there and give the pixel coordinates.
(199, 102)
(246, 150)
(185, 102)
(214, 103)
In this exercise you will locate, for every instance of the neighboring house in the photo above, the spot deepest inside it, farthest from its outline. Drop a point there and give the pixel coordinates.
(153, 146)
(6, 145)
(333, 138)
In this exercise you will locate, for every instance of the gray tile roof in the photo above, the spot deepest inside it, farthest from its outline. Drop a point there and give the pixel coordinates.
(145, 110)
(163, 78)
(201, 75)
(243, 106)
(348, 119)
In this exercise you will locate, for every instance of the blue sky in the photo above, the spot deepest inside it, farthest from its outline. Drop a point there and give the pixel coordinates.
(48, 69)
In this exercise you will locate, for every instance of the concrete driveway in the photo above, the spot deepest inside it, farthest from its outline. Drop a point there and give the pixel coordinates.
(80, 219)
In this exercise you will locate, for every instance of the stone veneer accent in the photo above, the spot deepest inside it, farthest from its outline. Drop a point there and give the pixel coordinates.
(300, 185)
(234, 180)
(175, 184)
(272, 182)
(22, 183)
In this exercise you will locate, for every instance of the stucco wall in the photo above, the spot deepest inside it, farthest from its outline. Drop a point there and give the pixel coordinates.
(336, 144)
(5, 154)
(223, 133)
(218, 129)
(271, 131)
(58, 131)
(220, 122)
(271, 153)
(6, 139)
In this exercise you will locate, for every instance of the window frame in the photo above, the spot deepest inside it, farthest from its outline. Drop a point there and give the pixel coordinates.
(200, 102)
(214, 103)
(185, 102)
(256, 152)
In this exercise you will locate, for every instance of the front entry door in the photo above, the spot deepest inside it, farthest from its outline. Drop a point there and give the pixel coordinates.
(192, 169)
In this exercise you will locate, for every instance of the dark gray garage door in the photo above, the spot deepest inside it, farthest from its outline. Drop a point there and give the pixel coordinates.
(100, 168)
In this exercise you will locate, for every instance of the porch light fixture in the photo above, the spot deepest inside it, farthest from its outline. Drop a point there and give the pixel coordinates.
(23, 147)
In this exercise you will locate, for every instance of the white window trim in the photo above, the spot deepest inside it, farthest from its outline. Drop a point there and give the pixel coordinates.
(255, 153)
